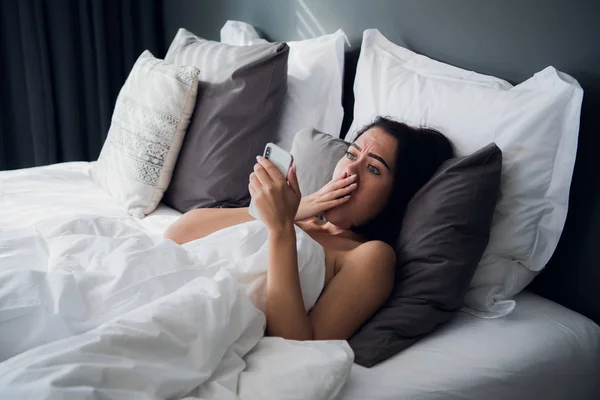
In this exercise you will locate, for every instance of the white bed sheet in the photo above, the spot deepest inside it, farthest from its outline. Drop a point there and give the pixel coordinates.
(32, 196)
(541, 350)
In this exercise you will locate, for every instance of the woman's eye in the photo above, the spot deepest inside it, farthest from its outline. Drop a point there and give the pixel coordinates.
(350, 156)
(374, 170)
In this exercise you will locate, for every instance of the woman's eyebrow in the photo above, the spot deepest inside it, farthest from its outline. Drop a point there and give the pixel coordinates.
(375, 156)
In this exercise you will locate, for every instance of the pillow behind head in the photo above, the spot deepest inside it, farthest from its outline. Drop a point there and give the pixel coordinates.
(240, 95)
(443, 235)
(316, 155)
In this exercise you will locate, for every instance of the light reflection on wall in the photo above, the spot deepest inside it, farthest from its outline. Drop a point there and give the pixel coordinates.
(308, 25)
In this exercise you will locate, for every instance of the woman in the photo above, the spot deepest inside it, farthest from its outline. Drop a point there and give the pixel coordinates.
(363, 205)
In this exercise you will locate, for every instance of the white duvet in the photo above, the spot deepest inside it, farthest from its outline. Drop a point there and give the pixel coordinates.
(99, 306)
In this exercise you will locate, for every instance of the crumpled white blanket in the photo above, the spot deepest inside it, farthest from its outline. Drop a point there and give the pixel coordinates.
(94, 307)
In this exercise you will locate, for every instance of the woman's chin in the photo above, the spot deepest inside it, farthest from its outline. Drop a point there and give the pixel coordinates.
(339, 216)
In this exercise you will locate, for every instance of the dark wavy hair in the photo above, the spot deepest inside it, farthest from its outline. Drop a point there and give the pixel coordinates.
(420, 153)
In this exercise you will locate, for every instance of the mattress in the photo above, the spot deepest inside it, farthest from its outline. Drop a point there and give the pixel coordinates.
(541, 350)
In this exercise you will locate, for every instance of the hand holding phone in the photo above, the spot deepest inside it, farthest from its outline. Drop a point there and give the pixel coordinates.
(282, 160)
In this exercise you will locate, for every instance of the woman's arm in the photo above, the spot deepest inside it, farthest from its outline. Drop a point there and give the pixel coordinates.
(286, 316)
(202, 222)
(277, 204)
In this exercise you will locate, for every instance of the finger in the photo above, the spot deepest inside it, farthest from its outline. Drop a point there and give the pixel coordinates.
(343, 191)
(293, 180)
(271, 170)
(336, 202)
(337, 183)
(254, 186)
(262, 175)
(341, 183)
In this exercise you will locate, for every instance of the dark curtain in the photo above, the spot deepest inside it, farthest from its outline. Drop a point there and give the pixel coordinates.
(63, 64)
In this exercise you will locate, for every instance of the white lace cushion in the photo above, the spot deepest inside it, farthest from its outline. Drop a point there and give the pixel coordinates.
(149, 123)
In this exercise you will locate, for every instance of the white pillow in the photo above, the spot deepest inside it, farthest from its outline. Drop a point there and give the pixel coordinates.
(148, 125)
(240, 33)
(535, 123)
(315, 73)
(277, 368)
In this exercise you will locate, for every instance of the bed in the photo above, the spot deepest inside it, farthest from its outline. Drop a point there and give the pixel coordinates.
(541, 350)
(142, 346)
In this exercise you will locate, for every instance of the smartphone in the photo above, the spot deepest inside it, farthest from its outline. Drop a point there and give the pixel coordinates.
(282, 160)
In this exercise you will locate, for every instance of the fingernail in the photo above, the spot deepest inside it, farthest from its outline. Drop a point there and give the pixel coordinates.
(347, 196)
(354, 184)
(257, 158)
(353, 176)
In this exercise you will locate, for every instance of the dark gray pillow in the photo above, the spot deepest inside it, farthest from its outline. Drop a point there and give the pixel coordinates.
(240, 95)
(443, 236)
(316, 154)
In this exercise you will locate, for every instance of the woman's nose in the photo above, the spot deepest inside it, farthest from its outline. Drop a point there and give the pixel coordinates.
(352, 170)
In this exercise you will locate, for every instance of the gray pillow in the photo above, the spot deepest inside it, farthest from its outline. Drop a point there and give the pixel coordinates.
(316, 154)
(240, 96)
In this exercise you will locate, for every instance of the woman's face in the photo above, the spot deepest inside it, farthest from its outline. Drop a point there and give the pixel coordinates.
(372, 157)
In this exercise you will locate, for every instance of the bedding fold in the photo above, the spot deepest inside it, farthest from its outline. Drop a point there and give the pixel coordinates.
(95, 307)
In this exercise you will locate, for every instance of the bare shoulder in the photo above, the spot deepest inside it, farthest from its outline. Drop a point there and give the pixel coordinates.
(374, 258)
(374, 253)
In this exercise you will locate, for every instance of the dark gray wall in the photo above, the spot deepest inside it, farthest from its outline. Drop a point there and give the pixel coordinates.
(511, 39)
